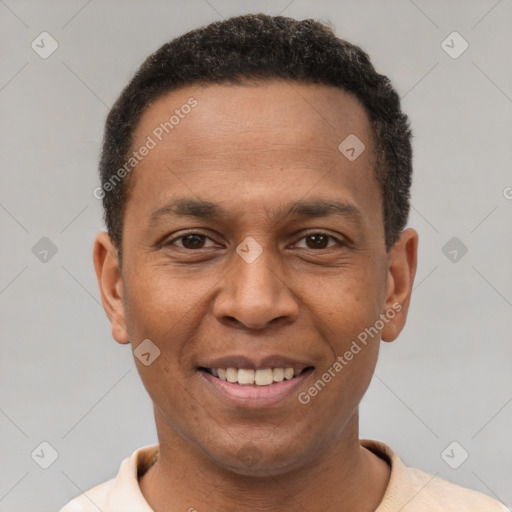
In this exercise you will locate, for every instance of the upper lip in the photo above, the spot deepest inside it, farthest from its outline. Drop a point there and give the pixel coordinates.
(255, 362)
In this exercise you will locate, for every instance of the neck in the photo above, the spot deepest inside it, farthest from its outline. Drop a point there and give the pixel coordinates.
(347, 478)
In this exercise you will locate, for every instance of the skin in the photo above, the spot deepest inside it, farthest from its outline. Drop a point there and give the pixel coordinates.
(254, 148)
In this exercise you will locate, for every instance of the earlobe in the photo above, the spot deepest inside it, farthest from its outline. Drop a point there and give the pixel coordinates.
(400, 279)
(108, 274)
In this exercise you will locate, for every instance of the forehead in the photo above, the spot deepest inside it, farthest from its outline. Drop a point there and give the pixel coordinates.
(317, 114)
(253, 138)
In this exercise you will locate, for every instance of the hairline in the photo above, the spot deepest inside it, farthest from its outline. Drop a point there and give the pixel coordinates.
(250, 80)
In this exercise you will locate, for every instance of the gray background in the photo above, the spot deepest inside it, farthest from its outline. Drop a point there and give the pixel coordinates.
(63, 378)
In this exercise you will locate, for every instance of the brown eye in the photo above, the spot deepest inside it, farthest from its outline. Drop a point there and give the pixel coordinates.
(320, 240)
(193, 241)
(190, 241)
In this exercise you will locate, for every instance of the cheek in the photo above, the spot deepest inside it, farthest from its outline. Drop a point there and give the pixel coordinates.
(344, 376)
(158, 303)
(349, 303)
(349, 307)
(156, 310)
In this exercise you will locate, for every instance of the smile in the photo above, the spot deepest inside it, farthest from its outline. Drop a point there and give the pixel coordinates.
(248, 377)
(255, 389)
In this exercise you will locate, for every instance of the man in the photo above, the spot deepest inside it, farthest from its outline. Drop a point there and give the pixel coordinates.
(255, 180)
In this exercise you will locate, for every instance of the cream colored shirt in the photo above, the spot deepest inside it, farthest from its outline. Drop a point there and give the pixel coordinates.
(409, 490)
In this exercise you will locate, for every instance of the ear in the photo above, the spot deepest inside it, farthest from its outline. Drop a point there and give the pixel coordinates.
(402, 261)
(108, 273)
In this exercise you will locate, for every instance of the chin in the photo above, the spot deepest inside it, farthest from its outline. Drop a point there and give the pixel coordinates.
(261, 457)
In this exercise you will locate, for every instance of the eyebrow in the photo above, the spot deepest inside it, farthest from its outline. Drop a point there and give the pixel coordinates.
(201, 209)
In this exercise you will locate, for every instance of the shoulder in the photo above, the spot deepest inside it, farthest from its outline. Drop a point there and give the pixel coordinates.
(121, 492)
(413, 490)
(439, 494)
(92, 500)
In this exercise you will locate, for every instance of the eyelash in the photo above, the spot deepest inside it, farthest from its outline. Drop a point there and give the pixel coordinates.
(184, 235)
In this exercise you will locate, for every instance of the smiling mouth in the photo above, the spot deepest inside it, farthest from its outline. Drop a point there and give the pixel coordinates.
(256, 378)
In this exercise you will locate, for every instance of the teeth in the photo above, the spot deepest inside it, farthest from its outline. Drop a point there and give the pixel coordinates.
(263, 377)
(232, 375)
(245, 376)
(278, 374)
(288, 373)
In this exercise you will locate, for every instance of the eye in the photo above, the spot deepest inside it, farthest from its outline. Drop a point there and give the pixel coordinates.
(195, 240)
(319, 240)
(191, 240)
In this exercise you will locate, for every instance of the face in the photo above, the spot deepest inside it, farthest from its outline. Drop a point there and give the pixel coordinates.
(251, 242)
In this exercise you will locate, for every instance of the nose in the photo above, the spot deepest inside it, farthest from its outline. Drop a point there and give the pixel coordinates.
(255, 295)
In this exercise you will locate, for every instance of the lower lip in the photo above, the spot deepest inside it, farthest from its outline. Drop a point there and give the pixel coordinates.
(256, 396)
